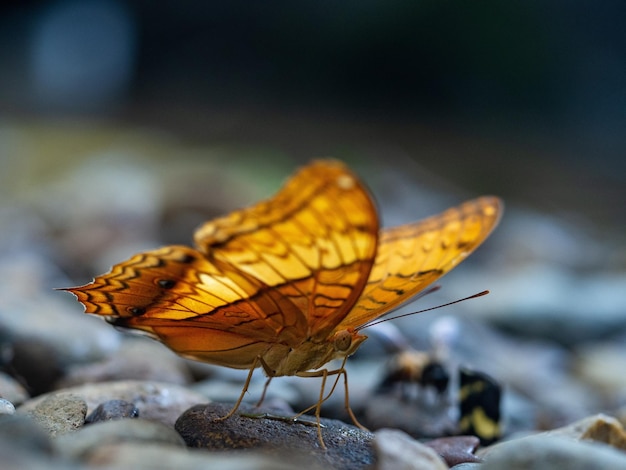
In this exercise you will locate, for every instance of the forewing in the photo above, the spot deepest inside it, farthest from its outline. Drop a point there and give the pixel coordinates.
(314, 242)
(202, 309)
(411, 257)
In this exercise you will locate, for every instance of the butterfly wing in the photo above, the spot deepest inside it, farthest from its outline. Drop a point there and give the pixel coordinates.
(315, 242)
(410, 257)
(201, 309)
(269, 275)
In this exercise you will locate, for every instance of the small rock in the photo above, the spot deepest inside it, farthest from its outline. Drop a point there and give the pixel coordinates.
(6, 407)
(158, 456)
(12, 390)
(396, 450)
(79, 444)
(59, 414)
(457, 449)
(112, 409)
(542, 452)
(155, 400)
(348, 447)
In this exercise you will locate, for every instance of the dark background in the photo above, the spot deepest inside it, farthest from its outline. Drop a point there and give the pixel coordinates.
(526, 99)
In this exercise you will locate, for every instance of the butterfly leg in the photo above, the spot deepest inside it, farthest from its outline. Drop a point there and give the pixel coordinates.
(243, 391)
(267, 384)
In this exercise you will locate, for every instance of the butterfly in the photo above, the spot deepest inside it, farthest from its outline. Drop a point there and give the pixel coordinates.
(288, 283)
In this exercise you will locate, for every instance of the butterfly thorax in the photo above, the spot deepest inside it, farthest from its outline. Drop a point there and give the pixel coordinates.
(311, 354)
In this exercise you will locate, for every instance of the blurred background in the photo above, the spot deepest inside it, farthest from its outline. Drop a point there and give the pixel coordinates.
(125, 124)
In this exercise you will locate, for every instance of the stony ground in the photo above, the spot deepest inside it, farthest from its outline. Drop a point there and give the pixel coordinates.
(75, 393)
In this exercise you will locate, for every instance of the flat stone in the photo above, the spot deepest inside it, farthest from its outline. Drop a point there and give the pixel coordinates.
(348, 447)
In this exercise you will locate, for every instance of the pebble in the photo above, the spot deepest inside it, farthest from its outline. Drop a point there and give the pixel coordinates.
(6, 407)
(155, 400)
(348, 447)
(112, 409)
(396, 450)
(58, 414)
(82, 442)
(550, 452)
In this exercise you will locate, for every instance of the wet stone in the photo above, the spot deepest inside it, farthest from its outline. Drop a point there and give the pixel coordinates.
(348, 447)
(112, 409)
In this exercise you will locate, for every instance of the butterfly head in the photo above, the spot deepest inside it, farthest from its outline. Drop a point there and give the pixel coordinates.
(346, 342)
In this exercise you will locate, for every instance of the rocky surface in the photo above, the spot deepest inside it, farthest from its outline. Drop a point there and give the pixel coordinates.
(77, 394)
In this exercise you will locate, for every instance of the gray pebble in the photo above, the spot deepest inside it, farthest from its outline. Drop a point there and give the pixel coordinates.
(547, 453)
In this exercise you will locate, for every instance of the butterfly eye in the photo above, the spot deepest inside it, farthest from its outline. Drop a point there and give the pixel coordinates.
(343, 340)
(166, 283)
(136, 311)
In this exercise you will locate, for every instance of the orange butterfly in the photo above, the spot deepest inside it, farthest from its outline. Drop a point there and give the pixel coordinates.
(288, 283)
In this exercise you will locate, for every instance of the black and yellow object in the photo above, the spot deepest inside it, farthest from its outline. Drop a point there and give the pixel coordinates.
(411, 367)
(479, 402)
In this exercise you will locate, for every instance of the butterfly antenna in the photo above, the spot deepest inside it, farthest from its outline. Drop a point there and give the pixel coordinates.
(432, 289)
